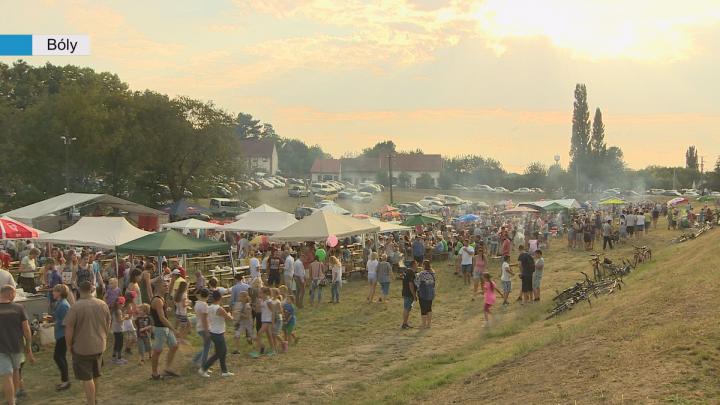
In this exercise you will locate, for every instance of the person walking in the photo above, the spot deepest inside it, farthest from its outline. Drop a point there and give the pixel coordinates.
(202, 326)
(163, 331)
(299, 278)
(426, 283)
(60, 295)
(607, 234)
(217, 317)
(336, 271)
(384, 275)
(317, 279)
(466, 261)
(527, 268)
(87, 324)
(28, 266)
(408, 293)
(371, 267)
(15, 337)
(537, 274)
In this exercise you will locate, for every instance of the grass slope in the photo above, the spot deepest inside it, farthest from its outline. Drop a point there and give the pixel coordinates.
(654, 341)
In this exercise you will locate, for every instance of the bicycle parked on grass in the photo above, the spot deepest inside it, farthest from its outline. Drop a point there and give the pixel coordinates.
(642, 254)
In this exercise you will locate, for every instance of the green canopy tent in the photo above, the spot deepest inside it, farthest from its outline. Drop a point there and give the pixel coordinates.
(554, 207)
(421, 219)
(172, 242)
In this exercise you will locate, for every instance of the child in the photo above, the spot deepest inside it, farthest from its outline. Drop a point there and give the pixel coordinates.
(144, 328)
(266, 319)
(118, 316)
(506, 278)
(217, 318)
(277, 319)
(181, 318)
(289, 319)
(489, 289)
(112, 293)
(128, 326)
(242, 312)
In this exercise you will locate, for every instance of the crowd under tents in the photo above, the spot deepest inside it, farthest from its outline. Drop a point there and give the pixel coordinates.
(268, 222)
(322, 224)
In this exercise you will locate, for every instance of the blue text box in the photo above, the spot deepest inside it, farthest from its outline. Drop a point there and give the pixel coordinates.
(16, 45)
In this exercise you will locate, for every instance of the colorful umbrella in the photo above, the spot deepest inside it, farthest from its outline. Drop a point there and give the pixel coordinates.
(677, 201)
(392, 214)
(421, 219)
(520, 210)
(361, 216)
(12, 229)
(613, 201)
(468, 218)
(387, 208)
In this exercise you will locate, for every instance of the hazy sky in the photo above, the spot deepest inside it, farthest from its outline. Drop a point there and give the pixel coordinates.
(492, 77)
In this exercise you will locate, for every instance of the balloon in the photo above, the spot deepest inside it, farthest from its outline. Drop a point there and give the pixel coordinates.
(332, 241)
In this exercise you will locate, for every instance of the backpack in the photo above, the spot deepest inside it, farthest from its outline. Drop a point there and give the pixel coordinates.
(426, 291)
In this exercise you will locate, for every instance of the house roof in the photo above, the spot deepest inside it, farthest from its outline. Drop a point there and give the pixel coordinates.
(414, 163)
(400, 163)
(368, 165)
(256, 147)
(322, 165)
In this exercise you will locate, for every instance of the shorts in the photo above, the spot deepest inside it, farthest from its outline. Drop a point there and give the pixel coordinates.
(274, 277)
(289, 327)
(425, 307)
(277, 327)
(385, 287)
(181, 319)
(527, 283)
(86, 368)
(10, 362)
(372, 278)
(640, 228)
(630, 230)
(408, 303)
(163, 336)
(244, 326)
(507, 286)
(537, 279)
(487, 307)
(144, 345)
(477, 275)
(466, 268)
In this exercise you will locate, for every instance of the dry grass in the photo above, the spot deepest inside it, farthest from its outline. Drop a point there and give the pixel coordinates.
(655, 341)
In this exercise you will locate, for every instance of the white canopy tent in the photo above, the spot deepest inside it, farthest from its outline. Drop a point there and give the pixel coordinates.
(100, 232)
(262, 222)
(190, 224)
(387, 227)
(322, 224)
(336, 209)
(259, 208)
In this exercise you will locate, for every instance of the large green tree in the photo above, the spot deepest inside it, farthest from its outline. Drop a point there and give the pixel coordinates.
(691, 158)
(580, 139)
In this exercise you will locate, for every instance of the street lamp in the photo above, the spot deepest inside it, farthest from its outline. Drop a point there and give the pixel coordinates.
(67, 140)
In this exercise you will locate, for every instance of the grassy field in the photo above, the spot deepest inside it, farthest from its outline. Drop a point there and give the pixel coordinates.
(655, 341)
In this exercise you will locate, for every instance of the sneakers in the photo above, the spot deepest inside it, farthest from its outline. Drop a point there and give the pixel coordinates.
(406, 326)
(203, 373)
(227, 374)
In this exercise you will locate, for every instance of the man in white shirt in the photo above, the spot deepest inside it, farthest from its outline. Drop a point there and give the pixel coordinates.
(254, 266)
(288, 269)
(243, 247)
(466, 261)
(299, 276)
(6, 279)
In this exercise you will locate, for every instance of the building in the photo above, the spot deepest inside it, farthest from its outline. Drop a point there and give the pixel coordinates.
(259, 155)
(363, 169)
(325, 169)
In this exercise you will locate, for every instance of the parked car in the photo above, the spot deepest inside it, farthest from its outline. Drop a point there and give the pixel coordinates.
(302, 212)
(483, 187)
(363, 196)
(536, 190)
(451, 199)
(370, 188)
(228, 206)
(672, 193)
(691, 194)
(326, 194)
(715, 193)
(298, 191)
(431, 205)
(656, 191)
(522, 190)
(223, 191)
(458, 187)
(501, 190)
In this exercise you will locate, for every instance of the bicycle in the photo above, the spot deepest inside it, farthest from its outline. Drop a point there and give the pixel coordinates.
(641, 255)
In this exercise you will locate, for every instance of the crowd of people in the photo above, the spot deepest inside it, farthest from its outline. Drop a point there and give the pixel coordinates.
(148, 306)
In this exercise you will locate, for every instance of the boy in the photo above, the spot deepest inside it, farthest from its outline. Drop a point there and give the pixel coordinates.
(143, 331)
(506, 278)
(242, 312)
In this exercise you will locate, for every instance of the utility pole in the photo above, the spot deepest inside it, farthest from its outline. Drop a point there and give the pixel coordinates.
(67, 140)
(390, 177)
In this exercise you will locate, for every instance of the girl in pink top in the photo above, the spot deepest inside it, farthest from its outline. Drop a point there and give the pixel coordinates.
(489, 289)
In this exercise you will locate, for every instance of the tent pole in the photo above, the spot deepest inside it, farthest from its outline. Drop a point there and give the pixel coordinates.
(232, 261)
(117, 267)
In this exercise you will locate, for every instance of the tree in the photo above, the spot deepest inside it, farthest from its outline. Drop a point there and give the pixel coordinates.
(580, 139)
(425, 181)
(247, 126)
(534, 175)
(691, 158)
(446, 180)
(597, 140)
(403, 180)
(382, 177)
(381, 149)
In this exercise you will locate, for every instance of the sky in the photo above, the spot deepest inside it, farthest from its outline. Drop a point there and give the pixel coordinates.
(455, 77)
